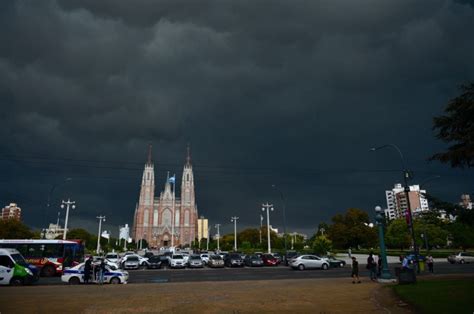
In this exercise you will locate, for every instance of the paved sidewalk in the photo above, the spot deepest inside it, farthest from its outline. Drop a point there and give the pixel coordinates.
(282, 296)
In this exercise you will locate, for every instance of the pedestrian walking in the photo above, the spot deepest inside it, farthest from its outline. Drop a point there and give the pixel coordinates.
(101, 271)
(405, 262)
(372, 266)
(430, 261)
(379, 266)
(355, 270)
(349, 252)
(87, 270)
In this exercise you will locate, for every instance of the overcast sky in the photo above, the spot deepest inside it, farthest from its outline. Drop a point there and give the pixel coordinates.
(292, 93)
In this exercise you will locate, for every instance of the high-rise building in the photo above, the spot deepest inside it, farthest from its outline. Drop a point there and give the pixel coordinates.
(203, 229)
(11, 211)
(167, 219)
(397, 204)
(466, 201)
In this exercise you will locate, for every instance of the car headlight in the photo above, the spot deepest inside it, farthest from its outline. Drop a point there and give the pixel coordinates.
(28, 271)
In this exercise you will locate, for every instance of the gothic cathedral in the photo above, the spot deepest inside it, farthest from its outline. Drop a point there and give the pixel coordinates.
(153, 220)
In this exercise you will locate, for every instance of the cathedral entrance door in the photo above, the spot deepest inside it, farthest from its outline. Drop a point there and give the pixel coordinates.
(165, 243)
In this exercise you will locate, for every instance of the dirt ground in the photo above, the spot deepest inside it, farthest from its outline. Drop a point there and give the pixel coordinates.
(282, 296)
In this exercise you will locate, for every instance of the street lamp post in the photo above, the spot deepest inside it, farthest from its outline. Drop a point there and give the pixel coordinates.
(380, 218)
(268, 207)
(101, 218)
(68, 203)
(218, 235)
(234, 220)
(406, 176)
(284, 217)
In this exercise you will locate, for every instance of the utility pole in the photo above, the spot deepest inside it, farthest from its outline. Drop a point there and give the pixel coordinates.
(234, 220)
(68, 203)
(208, 236)
(101, 218)
(261, 226)
(218, 236)
(268, 207)
(174, 213)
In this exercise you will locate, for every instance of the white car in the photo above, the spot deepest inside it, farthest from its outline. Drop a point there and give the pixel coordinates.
(142, 260)
(177, 261)
(309, 261)
(205, 258)
(75, 275)
(112, 257)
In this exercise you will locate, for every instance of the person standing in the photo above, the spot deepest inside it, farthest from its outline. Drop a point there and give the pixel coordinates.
(429, 261)
(405, 262)
(101, 271)
(372, 266)
(355, 270)
(87, 270)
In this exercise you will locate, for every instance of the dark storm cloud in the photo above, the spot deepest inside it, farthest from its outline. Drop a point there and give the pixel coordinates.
(259, 85)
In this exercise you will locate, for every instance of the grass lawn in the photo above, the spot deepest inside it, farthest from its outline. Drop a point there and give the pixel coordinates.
(439, 296)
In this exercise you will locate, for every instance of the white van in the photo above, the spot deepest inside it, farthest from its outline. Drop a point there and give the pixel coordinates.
(14, 269)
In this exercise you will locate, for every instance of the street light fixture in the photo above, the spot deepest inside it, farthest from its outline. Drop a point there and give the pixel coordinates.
(406, 176)
(234, 220)
(268, 207)
(101, 218)
(68, 203)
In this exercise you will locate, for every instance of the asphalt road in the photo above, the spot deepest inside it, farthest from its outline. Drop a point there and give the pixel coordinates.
(257, 273)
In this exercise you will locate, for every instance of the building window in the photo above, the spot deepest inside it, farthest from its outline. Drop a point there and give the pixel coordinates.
(187, 177)
(145, 218)
(186, 218)
(166, 217)
(155, 218)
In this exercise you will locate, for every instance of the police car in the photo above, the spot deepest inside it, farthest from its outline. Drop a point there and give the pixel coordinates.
(75, 275)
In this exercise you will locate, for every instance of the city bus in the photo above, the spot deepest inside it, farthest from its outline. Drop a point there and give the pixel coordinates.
(50, 256)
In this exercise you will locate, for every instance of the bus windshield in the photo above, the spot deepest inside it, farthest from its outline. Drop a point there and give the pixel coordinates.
(19, 259)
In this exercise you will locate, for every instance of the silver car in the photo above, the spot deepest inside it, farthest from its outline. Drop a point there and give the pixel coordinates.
(132, 262)
(303, 262)
(195, 261)
(461, 258)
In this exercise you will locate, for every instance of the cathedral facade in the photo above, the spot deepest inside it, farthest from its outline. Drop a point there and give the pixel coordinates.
(166, 220)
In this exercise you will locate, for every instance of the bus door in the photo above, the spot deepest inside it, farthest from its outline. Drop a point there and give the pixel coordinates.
(6, 270)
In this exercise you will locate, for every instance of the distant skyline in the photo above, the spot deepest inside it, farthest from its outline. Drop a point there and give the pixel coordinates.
(293, 94)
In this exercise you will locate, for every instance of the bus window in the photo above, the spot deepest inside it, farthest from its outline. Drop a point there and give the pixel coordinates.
(35, 250)
(53, 250)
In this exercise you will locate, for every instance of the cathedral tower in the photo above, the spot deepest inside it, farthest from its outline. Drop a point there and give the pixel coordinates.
(144, 209)
(188, 202)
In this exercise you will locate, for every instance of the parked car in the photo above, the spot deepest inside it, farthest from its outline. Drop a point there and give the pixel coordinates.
(131, 262)
(142, 260)
(177, 261)
(253, 261)
(269, 260)
(334, 262)
(154, 262)
(148, 254)
(195, 261)
(289, 256)
(215, 261)
(112, 257)
(233, 260)
(205, 258)
(461, 258)
(75, 275)
(278, 257)
(308, 262)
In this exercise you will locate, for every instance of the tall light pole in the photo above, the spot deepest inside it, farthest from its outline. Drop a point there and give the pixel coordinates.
(208, 236)
(234, 220)
(68, 203)
(261, 226)
(283, 201)
(173, 179)
(380, 218)
(218, 235)
(406, 176)
(268, 207)
(101, 218)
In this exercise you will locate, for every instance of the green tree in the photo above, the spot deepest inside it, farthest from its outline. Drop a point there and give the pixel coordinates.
(14, 229)
(462, 235)
(456, 128)
(433, 234)
(322, 245)
(397, 235)
(350, 230)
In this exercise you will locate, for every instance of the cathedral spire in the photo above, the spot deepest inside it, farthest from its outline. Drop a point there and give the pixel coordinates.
(149, 161)
(188, 155)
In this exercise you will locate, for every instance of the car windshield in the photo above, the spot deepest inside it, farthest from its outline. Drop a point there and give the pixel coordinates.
(19, 259)
(253, 257)
(177, 256)
(197, 257)
(235, 256)
(268, 256)
(154, 259)
(218, 257)
(111, 256)
(132, 258)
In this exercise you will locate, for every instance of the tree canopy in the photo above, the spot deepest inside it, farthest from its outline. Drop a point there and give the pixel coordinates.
(14, 229)
(456, 128)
